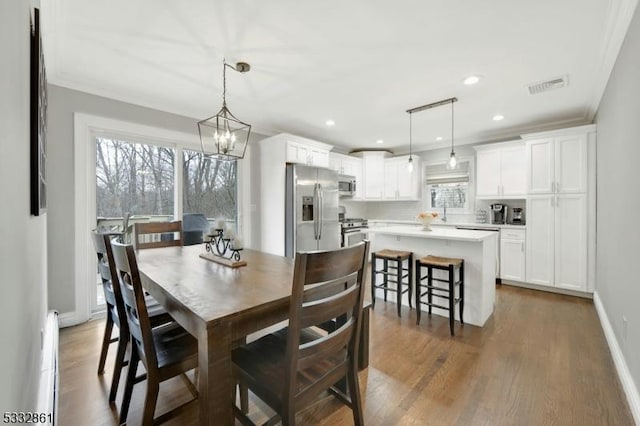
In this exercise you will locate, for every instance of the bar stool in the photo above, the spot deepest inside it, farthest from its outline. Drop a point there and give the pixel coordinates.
(443, 264)
(393, 272)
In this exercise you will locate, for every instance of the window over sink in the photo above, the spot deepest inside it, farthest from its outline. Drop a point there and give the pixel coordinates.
(448, 188)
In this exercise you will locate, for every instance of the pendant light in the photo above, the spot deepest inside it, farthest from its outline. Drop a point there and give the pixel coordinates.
(223, 136)
(453, 161)
(410, 163)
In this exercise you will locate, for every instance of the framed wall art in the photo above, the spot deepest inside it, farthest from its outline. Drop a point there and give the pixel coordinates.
(38, 121)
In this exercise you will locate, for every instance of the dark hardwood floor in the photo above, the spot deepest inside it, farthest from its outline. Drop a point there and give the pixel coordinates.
(541, 359)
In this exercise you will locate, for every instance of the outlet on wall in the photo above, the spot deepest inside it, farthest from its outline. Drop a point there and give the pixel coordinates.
(624, 328)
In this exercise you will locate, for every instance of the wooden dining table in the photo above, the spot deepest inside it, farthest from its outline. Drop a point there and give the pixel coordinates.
(219, 306)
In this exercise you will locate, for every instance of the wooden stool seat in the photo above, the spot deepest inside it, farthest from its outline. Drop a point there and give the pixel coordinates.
(394, 274)
(392, 254)
(443, 262)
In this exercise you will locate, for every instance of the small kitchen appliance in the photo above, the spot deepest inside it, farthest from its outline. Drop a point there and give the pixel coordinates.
(517, 216)
(499, 214)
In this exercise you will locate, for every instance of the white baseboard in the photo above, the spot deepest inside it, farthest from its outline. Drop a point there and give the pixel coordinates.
(549, 289)
(624, 374)
(67, 319)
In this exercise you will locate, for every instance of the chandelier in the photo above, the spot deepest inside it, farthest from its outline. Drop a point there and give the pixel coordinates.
(223, 136)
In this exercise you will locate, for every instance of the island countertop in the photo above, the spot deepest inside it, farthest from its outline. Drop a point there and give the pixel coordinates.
(440, 233)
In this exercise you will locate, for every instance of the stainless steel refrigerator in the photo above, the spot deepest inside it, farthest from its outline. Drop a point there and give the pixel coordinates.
(311, 211)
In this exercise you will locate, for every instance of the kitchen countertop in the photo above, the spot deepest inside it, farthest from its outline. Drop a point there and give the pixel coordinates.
(440, 233)
(449, 224)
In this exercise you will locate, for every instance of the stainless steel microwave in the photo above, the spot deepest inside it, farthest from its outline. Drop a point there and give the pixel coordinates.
(346, 185)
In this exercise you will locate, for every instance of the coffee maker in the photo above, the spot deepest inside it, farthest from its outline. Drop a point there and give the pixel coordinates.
(517, 216)
(498, 214)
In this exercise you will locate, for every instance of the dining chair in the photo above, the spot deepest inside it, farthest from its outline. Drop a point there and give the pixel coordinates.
(290, 368)
(166, 351)
(167, 231)
(116, 312)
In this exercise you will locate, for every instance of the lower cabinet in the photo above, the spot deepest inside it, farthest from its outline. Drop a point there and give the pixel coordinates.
(512, 254)
(557, 241)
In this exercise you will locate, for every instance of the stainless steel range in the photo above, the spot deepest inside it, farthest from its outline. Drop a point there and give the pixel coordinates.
(353, 230)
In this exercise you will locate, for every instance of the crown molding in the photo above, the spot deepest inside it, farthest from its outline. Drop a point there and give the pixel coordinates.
(617, 21)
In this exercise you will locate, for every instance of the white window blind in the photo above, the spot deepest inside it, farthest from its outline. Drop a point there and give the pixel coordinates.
(438, 174)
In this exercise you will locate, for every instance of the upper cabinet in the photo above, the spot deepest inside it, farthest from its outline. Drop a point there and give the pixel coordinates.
(387, 178)
(501, 170)
(399, 182)
(557, 164)
(373, 175)
(305, 151)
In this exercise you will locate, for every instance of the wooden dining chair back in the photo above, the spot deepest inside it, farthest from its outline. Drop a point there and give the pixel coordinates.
(327, 286)
(165, 351)
(166, 232)
(115, 311)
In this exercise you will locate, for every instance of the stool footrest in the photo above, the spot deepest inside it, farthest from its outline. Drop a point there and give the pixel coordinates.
(442, 296)
(382, 287)
(392, 274)
(435, 305)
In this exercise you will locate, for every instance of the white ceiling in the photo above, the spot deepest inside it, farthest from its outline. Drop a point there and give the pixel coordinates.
(362, 63)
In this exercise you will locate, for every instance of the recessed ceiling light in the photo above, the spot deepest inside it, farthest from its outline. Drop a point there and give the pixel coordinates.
(379, 141)
(472, 79)
(439, 138)
(498, 117)
(330, 123)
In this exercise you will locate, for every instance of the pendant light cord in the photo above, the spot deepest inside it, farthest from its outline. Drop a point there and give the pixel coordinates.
(452, 126)
(410, 135)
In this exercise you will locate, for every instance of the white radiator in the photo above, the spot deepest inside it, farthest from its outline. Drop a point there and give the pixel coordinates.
(49, 383)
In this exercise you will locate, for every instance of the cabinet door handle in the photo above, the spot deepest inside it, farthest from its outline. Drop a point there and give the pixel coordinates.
(557, 186)
(522, 247)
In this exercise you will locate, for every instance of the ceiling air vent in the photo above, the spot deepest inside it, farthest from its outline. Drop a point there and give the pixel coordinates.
(543, 86)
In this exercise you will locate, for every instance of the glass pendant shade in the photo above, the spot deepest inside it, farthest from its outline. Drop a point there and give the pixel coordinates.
(453, 161)
(410, 165)
(224, 136)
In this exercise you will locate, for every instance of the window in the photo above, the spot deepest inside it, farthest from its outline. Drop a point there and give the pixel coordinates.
(210, 187)
(134, 178)
(448, 188)
(135, 182)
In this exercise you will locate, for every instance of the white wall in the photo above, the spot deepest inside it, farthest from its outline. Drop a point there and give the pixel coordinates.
(618, 198)
(23, 253)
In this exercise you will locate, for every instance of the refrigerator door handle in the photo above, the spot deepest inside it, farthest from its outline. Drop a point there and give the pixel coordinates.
(321, 211)
(316, 210)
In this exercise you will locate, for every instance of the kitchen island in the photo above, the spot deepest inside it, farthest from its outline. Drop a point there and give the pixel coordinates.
(477, 248)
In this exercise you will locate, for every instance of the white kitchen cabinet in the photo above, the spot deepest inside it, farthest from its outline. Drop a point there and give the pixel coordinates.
(512, 254)
(501, 170)
(345, 164)
(373, 168)
(540, 239)
(557, 240)
(571, 241)
(307, 153)
(557, 164)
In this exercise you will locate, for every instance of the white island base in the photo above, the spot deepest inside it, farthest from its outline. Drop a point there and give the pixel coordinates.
(477, 248)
